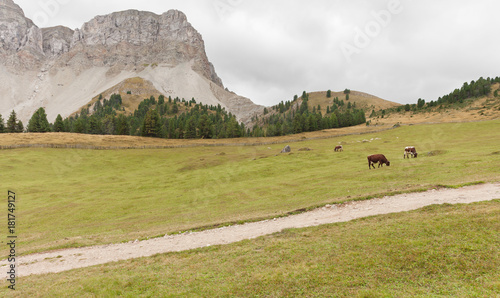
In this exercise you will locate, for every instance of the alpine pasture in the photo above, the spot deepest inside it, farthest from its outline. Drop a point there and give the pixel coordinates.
(82, 197)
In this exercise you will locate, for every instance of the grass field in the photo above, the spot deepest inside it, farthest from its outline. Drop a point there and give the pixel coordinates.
(71, 198)
(362, 101)
(437, 251)
(473, 109)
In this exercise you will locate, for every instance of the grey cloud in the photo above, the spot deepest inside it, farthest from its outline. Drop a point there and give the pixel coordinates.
(270, 50)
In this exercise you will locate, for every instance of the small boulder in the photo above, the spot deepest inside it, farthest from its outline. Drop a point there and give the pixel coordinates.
(287, 149)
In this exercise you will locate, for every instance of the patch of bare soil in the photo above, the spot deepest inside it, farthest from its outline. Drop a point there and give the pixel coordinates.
(63, 260)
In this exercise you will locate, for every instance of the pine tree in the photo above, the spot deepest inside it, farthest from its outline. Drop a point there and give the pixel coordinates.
(94, 125)
(151, 127)
(34, 123)
(205, 127)
(2, 125)
(80, 125)
(297, 124)
(233, 128)
(59, 124)
(39, 122)
(329, 93)
(190, 128)
(44, 123)
(347, 92)
(12, 123)
(122, 126)
(420, 103)
(108, 125)
(161, 99)
(19, 127)
(334, 121)
(304, 108)
(175, 109)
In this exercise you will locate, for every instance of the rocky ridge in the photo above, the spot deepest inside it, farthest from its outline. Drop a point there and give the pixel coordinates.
(63, 69)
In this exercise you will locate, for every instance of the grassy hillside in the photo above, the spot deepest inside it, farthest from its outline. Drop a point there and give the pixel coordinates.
(133, 91)
(362, 100)
(471, 109)
(445, 251)
(319, 110)
(108, 196)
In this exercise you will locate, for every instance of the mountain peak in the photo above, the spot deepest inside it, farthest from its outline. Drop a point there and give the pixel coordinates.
(137, 28)
(10, 4)
(16, 31)
(139, 38)
(63, 69)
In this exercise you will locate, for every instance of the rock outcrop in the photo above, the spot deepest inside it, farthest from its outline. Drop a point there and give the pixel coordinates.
(19, 37)
(62, 69)
(287, 149)
(57, 41)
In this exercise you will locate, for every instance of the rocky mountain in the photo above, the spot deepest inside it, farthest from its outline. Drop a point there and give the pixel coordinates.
(63, 69)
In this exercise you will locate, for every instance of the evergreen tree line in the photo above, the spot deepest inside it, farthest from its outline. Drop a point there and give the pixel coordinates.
(302, 119)
(474, 89)
(481, 87)
(283, 106)
(161, 118)
(180, 119)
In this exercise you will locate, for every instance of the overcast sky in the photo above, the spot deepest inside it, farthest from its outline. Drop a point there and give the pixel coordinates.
(270, 50)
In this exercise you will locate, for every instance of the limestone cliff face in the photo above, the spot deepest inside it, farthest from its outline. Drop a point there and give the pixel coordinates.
(18, 35)
(56, 41)
(141, 38)
(62, 69)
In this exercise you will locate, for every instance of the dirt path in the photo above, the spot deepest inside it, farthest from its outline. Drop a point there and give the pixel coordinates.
(68, 259)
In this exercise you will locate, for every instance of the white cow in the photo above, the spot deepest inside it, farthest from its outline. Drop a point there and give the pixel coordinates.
(410, 150)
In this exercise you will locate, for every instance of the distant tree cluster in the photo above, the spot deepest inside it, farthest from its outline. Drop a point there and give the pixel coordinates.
(13, 125)
(474, 89)
(347, 93)
(181, 119)
(285, 106)
(292, 119)
(172, 118)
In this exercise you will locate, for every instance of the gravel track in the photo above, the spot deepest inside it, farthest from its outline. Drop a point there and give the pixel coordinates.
(63, 260)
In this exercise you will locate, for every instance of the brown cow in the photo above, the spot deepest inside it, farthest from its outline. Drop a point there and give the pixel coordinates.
(377, 158)
(410, 150)
(339, 148)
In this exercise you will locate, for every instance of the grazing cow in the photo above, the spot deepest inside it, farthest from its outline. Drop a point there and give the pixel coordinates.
(410, 150)
(339, 148)
(377, 158)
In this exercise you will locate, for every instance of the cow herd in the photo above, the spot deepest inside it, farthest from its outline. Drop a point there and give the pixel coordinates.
(381, 159)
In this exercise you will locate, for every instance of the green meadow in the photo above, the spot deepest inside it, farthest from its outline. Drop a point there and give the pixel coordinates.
(72, 198)
(437, 251)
